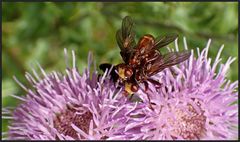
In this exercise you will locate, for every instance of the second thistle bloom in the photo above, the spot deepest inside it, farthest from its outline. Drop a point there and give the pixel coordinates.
(195, 102)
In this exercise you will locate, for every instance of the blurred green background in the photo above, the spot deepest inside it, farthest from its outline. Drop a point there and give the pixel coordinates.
(39, 32)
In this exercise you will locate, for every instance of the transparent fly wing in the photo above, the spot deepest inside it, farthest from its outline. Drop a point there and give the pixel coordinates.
(167, 60)
(126, 39)
(162, 41)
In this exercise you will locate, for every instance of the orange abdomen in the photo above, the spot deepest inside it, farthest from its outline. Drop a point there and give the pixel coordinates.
(146, 41)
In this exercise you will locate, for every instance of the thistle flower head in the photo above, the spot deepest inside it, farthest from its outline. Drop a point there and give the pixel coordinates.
(195, 101)
(71, 106)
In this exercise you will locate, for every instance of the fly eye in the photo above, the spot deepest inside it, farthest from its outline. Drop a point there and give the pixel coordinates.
(128, 73)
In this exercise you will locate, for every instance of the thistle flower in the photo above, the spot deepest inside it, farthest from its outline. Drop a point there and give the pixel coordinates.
(68, 107)
(195, 102)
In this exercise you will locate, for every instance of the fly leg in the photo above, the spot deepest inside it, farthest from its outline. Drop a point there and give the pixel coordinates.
(145, 85)
(131, 97)
(157, 84)
(125, 93)
(149, 101)
(146, 89)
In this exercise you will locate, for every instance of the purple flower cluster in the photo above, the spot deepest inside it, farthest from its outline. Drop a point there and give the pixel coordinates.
(195, 102)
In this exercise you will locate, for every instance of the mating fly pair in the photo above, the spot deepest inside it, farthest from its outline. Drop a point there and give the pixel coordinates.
(143, 59)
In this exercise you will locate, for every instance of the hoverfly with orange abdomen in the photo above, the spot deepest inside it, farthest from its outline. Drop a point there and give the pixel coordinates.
(143, 59)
